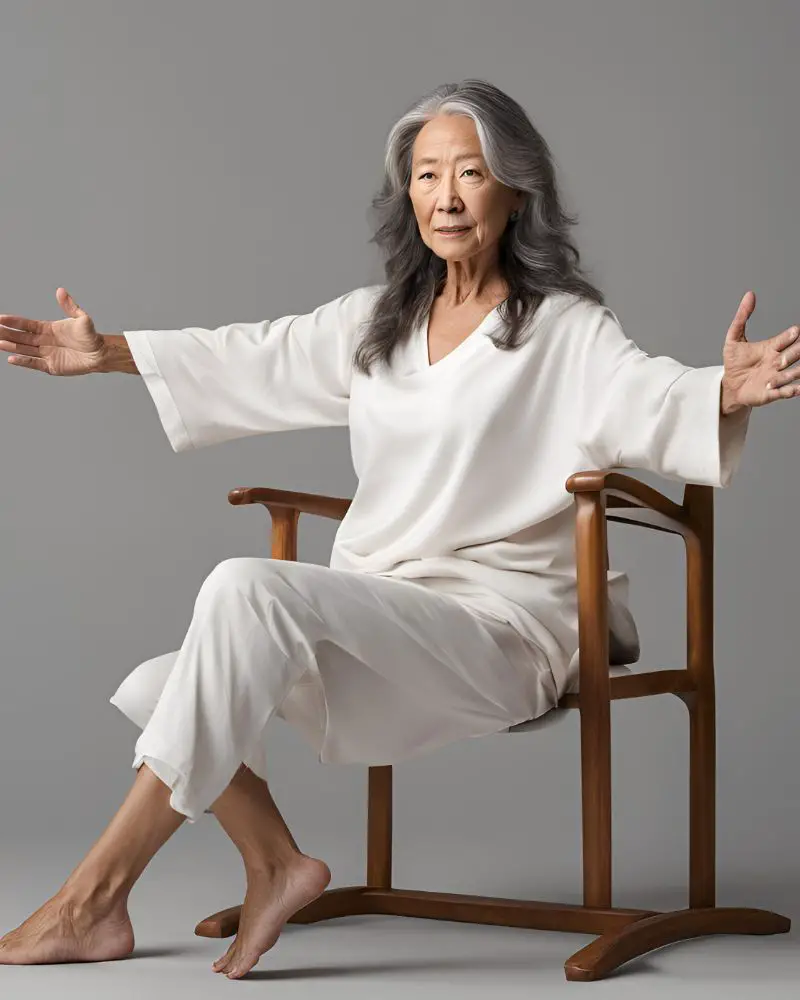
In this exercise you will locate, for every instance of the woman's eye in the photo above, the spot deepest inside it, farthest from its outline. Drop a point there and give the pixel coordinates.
(428, 173)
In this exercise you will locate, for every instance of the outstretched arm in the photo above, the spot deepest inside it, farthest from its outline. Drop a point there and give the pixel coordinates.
(654, 413)
(242, 379)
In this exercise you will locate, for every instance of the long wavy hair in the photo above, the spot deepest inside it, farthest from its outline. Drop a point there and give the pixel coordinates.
(536, 256)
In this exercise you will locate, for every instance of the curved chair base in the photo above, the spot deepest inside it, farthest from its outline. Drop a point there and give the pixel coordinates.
(610, 951)
(625, 934)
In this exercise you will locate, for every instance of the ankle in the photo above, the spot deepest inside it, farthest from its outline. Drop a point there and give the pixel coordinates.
(94, 896)
(274, 863)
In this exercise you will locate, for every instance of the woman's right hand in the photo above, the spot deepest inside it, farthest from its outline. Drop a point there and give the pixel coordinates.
(61, 347)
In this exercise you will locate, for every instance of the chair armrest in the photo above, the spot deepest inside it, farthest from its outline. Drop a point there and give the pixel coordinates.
(285, 508)
(302, 503)
(654, 509)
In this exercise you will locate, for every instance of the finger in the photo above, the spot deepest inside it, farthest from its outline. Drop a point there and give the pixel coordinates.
(786, 339)
(8, 345)
(69, 305)
(784, 392)
(736, 331)
(29, 328)
(784, 376)
(25, 362)
(787, 357)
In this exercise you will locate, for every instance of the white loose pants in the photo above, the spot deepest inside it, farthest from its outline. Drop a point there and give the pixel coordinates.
(371, 669)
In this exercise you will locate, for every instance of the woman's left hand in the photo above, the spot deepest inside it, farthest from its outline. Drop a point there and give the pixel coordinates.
(755, 373)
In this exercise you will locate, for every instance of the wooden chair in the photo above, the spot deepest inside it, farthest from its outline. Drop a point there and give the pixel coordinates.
(624, 934)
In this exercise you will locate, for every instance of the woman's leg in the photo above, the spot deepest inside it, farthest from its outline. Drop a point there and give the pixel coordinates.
(87, 920)
(278, 872)
(280, 878)
(417, 670)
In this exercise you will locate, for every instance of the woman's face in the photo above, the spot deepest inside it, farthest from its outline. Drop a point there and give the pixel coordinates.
(451, 186)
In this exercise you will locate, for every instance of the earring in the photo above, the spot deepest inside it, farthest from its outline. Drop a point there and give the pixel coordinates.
(514, 216)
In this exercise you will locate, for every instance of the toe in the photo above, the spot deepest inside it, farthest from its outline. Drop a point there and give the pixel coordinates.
(219, 965)
(230, 961)
(236, 969)
(242, 966)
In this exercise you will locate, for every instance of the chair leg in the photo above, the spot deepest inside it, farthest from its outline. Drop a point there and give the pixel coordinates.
(701, 702)
(595, 699)
(596, 803)
(702, 798)
(609, 951)
(379, 827)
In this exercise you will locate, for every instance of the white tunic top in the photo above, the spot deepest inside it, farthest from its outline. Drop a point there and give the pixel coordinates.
(461, 464)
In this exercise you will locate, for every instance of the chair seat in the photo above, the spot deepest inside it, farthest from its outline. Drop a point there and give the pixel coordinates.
(623, 648)
(554, 715)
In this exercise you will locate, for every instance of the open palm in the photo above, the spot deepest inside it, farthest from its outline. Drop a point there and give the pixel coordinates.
(756, 372)
(59, 347)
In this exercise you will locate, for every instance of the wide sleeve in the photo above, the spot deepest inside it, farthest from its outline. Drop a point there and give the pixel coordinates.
(210, 386)
(653, 413)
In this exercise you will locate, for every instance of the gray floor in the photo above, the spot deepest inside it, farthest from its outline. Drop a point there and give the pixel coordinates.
(357, 956)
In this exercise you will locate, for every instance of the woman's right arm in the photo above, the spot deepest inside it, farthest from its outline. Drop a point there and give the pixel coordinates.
(116, 356)
(245, 378)
(213, 385)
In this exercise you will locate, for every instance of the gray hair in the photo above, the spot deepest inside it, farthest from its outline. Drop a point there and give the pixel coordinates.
(536, 256)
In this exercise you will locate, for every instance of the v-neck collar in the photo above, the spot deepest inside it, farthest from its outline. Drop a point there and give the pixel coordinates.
(422, 369)
(466, 346)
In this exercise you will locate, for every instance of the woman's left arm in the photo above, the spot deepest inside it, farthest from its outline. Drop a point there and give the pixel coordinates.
(655, 413)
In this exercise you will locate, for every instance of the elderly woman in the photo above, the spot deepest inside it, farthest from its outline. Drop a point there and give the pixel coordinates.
(475, 381)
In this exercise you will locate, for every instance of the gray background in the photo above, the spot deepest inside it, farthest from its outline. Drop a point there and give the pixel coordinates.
(176, 164)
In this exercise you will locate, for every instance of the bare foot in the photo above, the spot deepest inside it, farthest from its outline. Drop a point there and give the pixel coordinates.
(61, 931)
(270, 900)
